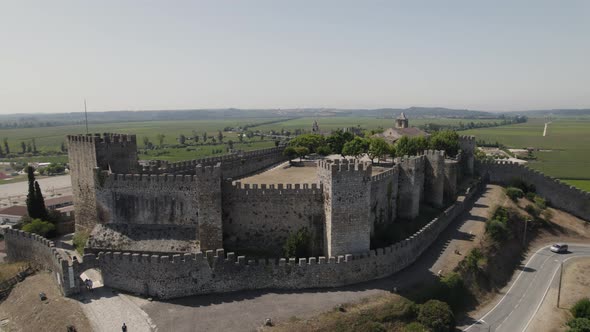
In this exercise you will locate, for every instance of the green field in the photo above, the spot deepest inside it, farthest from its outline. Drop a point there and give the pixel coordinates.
(566, 146)
(50, 138)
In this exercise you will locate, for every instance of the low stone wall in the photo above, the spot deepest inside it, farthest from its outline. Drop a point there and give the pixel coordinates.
(170, 276)
(41, 252)
(559, 194)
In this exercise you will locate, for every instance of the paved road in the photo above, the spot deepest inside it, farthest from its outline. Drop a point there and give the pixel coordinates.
(17, 191)
(517, 308)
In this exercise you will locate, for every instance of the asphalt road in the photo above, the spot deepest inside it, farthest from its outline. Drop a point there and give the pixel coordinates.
(517, 308)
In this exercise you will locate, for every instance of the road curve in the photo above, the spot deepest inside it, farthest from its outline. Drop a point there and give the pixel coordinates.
(517, 308)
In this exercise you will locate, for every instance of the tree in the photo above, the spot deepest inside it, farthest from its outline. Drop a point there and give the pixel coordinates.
(181, 139)
(355, 148)
(581, 309)
(241, 137)
(437, 316)
(146, 142)
(219, 136)
(447, 140)
(63, 147)
(301, 151)
(337, 140)
(277, 142)
(297, 244)
(29, 147)
(34, 146)
(39, 227)
(230, 144)
(579, 325)
(23, 146)
(1, 152)
(31, 209)
(6, 147)
(310, 141)
(324, 150)
(35, 202)
(160, 138)
(378, 148)
(290, 153)
(407, 146)
(40, 203)
(204, 137)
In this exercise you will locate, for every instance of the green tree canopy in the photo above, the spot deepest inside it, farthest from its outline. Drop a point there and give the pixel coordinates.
(290, 153)
(39, 226)
(356, 147)
(447, 140)
(409, 146)
(337, 140)
(437, 316)
(310, 141)
(378, 148)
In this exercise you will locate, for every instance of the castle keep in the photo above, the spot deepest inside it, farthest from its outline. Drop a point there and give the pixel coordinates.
(201, 204)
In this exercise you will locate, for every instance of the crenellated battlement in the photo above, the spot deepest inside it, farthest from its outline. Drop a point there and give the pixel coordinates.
(113, 179)
(214, 170)
(344, 165)
(410, 160)
(103, 138)
(434, 153)
(387, 174)
(238, 188)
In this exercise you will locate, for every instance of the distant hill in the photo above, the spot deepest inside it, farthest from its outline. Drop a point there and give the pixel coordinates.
(56, 119)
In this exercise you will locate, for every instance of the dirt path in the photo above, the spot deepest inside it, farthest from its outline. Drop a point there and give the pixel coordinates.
(107, 311)
(24, 311)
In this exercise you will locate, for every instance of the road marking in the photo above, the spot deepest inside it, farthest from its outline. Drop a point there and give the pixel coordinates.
(547, 290)
(542, 299)
(509, 289)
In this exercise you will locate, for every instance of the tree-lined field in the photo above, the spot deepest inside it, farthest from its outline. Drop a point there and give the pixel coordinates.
(564, 151)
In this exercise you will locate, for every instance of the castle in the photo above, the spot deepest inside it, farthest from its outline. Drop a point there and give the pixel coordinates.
(170, 229)
(201, 204)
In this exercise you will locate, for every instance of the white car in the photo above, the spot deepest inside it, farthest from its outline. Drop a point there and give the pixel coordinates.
(559, 247)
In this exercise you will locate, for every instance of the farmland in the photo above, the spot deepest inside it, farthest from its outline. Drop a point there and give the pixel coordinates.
(563, 153)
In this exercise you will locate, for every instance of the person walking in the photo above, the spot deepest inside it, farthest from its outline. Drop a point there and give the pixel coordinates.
(124, 327)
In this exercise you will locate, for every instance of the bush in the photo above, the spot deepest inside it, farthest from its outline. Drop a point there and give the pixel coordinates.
(497, 230)
(437, 316)
(522, 185)
(514, 193)
(415, 327)
(452, 290)
(530, 196)
(581, 309)
(540, 202)
(532, 210)
(579, 325)
(80, 239)
(297, 244)
(39, 227)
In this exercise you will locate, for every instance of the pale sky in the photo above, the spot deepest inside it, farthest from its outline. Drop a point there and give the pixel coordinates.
(130, 55)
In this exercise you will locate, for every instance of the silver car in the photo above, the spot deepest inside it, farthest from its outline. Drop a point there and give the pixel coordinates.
(559, 247)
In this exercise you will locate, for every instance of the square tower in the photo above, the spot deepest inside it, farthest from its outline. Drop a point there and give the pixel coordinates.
(347, 191)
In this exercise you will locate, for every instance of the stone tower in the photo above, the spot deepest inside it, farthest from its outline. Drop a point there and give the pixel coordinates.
(315, 128)
(208, 183)
(467, 145)
(347, 190)
(114, 152)
(411, 186)
(434, 177)
(401, 121)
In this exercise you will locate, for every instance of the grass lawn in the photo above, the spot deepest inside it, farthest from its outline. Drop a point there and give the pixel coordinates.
(565, 150)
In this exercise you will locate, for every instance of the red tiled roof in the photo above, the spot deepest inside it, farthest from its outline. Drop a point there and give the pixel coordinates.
(15, 210)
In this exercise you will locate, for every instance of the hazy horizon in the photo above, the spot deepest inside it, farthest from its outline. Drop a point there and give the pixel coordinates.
(127, 56)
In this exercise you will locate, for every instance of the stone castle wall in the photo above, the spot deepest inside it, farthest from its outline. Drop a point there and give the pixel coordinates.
(467, 160)
(260, 217)
(384, 192)
(557, 193)
(147, 199)
(170, 276)
(232, 165)
(40, 252)
(434, 177)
